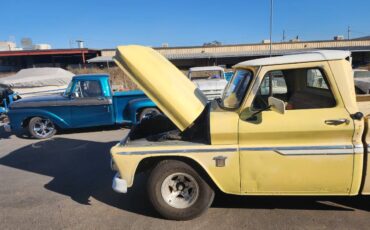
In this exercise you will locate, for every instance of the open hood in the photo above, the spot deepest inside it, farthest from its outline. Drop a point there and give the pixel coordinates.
(162, 82)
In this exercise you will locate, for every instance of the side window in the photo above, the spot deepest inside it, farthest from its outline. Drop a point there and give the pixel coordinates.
(90, 88)
(298, 88)
(278, 89)
(315, 79)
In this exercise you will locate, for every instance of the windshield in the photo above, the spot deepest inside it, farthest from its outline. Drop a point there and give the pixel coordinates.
(206, 74)
(236, 89)
(67, 93)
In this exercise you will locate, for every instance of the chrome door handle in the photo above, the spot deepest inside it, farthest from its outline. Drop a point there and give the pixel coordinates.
(337, 122)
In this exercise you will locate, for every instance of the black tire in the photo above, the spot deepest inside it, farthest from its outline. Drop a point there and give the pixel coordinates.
(165, 169)
(45, 132)
(148, 113)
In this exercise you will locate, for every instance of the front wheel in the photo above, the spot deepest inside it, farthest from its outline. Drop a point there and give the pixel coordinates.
(177, 192)
(41, 128)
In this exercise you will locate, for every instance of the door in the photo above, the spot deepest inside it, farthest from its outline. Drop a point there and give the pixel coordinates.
(89, 107)
(306, 150)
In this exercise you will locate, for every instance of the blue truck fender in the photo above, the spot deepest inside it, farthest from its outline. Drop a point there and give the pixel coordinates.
(18, 117)
(135, 106)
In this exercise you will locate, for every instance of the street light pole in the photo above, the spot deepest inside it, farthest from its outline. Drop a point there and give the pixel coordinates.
(271, 16)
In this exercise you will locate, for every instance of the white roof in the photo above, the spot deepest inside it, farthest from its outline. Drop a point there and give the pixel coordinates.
(310, 56)
(206, 68)
(38, 77)
(101, 59)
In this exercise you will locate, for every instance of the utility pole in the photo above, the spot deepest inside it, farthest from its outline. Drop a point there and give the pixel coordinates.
(271, 16)
(284, 36)
(348, 32)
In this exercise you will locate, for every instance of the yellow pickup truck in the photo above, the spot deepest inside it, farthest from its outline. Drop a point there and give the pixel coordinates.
(288, 125)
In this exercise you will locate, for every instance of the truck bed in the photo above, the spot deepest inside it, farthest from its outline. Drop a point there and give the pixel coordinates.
(363, 102)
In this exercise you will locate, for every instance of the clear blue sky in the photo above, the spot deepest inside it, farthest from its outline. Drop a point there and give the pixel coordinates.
(106, 24)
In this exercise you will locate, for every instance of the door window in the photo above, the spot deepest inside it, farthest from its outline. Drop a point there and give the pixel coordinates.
(298, 88)
(89, 88)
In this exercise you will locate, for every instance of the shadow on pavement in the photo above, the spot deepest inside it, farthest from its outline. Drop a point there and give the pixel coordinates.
(81, 170)
(24, 133)
(3, 134)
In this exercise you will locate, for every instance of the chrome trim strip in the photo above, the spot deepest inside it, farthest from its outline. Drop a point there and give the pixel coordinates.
(288, 150)
(296, 148)
(316, 152)
(179, 151)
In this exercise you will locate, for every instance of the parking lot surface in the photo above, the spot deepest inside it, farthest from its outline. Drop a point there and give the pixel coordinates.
(65, 183)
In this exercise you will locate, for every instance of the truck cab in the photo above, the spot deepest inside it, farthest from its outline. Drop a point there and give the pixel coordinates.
(285, 125)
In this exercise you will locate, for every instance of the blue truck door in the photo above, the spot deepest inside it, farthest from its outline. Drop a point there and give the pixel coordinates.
(89, 107)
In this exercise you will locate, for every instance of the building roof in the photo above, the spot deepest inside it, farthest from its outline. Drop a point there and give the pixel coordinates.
(46, 52)
(206, 68)
(311, 56)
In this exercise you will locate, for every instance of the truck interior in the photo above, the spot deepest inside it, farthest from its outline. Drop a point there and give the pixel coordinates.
(298, 88)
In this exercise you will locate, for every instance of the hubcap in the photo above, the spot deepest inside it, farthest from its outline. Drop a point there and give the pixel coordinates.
(180, 190)
(43, 127)
(149, 114)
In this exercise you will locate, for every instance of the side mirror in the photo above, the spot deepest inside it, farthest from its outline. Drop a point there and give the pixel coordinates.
(277, 105)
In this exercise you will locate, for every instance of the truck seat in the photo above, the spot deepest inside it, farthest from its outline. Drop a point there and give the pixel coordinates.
(304, 100)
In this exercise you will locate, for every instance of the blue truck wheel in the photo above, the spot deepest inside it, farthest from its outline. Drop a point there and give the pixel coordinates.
(41, 128)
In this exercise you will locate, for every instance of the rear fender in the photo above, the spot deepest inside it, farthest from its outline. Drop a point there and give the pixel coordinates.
(135, 106)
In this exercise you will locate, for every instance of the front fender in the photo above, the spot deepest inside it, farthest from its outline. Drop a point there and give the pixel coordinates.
(18, 116)
(227, 178)
(136, 105)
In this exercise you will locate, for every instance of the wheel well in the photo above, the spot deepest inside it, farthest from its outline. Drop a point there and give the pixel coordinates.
(147, 164)
(138, 112)
(27, 121)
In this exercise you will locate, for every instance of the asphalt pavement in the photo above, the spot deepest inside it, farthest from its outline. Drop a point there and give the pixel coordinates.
(65, 183)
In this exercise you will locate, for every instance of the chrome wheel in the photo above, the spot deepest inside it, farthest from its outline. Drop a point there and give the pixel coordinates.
(180, 190)
(43, 128)
(149, 113)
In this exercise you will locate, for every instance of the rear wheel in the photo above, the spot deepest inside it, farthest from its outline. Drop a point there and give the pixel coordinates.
(41, 128)
(148, 113)
(177, 192)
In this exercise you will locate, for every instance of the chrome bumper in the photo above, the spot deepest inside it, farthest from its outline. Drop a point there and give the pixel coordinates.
(119, 185)
(7, 128)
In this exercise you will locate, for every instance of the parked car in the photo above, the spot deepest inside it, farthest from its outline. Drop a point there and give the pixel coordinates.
(309, 139)
(362, 81)
(88, 101)
(209, 79)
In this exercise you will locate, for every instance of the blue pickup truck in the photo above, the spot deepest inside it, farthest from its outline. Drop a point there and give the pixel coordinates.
(88, 101)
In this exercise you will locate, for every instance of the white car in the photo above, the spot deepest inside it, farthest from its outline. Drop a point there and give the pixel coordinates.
(362, 81)
(209, 79)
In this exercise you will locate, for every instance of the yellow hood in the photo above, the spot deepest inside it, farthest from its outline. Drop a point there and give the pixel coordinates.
(163, 83)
